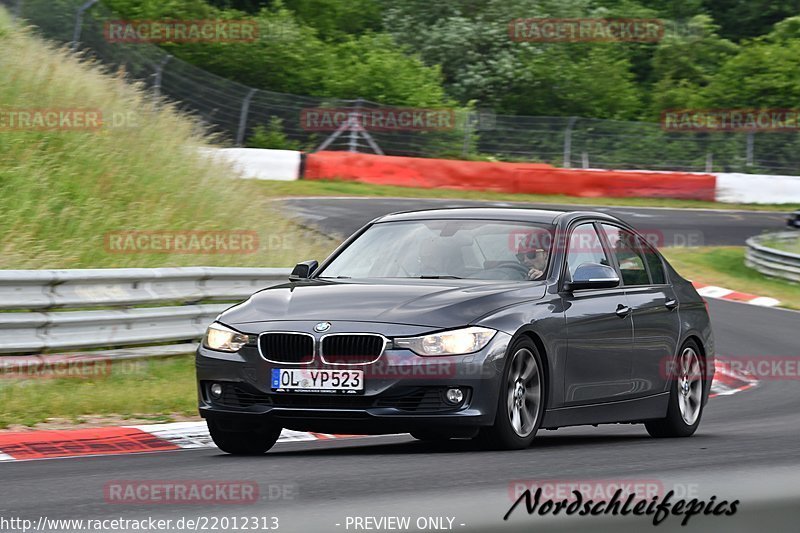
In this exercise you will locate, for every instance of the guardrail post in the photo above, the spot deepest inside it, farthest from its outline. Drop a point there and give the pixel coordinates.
(750, 142)
(76, 34)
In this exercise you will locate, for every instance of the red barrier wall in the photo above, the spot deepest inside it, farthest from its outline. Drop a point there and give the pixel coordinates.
(506, 177)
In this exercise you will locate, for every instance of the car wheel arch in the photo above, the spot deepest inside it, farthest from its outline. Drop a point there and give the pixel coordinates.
(697, 338)
(699, 342)
(531, 334)
(694, 336)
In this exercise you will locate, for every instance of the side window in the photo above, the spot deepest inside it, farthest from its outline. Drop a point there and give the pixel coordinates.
(629, 256)
(584, 247)
(654, 264)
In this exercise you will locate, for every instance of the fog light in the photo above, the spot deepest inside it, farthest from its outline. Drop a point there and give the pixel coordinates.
(216, 390)
(454, 396)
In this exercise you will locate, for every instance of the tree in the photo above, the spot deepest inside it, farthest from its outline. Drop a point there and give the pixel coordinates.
(740, 19)
(374, 68)
(336, 19)
(684, 64)
(588, 81)
(765, 73)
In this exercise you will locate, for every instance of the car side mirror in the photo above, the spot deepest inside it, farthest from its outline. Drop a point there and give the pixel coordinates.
(592, 276)
(303, 270)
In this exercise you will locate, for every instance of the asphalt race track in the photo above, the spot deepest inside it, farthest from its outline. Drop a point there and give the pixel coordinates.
(747, 447)
(677, 227)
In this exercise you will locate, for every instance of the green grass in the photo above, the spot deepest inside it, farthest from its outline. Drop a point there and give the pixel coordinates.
(349, 188)
(792, 246)
(62, 192)
(724, 266)
(155, 389)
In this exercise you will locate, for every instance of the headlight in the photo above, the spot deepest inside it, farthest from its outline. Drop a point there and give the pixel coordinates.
(456, 342)
(223, 339)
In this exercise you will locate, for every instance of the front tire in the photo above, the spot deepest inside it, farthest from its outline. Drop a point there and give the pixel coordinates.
(247, 442)
(685, 397)
(520, 403)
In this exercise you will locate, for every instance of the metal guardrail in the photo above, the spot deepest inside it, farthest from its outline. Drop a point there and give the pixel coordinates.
(36, 324)
(770, 261)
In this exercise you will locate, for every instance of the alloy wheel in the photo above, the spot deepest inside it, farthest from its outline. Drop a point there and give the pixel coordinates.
(523, 395)
(690, 385)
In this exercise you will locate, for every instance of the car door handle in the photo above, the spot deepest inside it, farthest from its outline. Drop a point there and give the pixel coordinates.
(623, 311)
(671, 304)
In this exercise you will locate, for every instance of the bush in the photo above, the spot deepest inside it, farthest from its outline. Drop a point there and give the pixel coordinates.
(272, 136)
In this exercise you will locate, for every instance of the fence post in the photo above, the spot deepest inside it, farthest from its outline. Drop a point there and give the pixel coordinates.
(585, 159)
(568, 142)
(709, 162)
(352, 145)
(243, 117)
(76, 34)
(17, 13)
(750, 142)
(467, 128)
(159, 71)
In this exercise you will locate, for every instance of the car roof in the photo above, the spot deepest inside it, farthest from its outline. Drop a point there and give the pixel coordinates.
(542, 216)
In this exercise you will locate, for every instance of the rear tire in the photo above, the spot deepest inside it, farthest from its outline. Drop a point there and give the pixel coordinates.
(247, 442)
(685, 397)
(520, 402)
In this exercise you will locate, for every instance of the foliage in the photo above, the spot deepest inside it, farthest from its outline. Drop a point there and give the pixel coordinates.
(272, 136)
(455, 53)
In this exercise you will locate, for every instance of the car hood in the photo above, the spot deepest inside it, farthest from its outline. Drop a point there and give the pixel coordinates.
(434, 303)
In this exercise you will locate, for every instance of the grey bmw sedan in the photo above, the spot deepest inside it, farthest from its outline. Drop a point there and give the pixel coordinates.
(484, 323)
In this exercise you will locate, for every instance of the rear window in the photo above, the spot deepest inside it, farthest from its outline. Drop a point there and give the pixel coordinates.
(654, 264)
(631, 260)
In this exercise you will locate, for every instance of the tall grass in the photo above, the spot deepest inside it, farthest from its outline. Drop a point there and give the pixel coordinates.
(62, 192)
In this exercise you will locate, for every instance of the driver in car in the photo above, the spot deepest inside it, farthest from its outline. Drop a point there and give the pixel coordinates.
(535, 260)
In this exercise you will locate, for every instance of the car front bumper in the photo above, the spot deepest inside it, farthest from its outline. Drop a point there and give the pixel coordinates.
(402, 392)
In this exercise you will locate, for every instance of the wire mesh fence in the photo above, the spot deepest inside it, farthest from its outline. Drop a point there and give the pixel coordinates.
(246, 116)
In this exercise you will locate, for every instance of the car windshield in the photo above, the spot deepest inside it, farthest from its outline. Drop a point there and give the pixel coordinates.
(477, 249)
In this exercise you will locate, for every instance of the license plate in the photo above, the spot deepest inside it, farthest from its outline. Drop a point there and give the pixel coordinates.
(325, 381)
